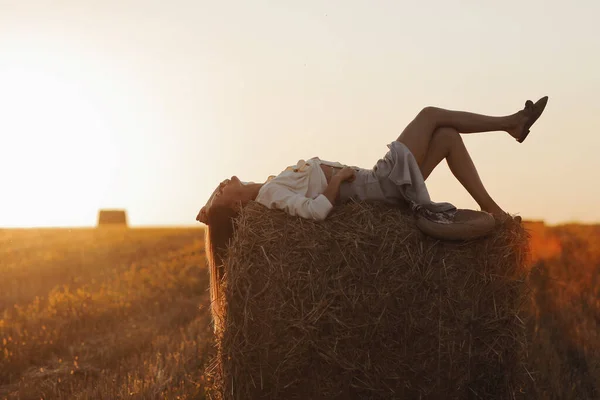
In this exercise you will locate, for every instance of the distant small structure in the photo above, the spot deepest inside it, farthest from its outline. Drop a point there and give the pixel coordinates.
(112, 218)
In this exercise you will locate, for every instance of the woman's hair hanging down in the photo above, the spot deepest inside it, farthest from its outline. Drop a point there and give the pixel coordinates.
(218, 233)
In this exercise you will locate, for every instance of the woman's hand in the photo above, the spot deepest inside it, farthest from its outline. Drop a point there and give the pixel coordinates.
(347, 174)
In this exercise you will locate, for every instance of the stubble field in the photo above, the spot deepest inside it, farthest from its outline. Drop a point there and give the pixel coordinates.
(103, 313)
(123, 313)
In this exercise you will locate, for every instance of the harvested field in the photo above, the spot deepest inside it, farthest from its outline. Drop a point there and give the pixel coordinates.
(132, 317)
(103, 313)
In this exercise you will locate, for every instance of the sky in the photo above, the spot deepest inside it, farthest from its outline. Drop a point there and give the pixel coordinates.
(148, 105)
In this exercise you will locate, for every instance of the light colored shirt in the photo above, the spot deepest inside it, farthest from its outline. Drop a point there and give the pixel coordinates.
(298, 190)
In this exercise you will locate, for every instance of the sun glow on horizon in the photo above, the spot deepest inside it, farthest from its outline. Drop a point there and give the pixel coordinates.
(147, 106)
(58, 154)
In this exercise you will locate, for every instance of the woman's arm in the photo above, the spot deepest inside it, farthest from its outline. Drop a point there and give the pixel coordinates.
(333, 188)
(294, 203)
(281, 197)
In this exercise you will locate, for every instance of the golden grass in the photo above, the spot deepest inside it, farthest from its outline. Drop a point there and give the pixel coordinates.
(564, 330)
(103, 313)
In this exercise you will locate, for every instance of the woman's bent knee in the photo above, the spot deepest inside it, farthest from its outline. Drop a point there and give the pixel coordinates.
(446, 135)
(429, 113)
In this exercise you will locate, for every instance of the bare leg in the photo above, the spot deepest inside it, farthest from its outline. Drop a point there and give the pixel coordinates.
(447, 143)
(417, 135)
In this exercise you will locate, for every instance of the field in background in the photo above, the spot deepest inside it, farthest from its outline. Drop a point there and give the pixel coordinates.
(565, 323)
(114, 313)
(103, 313)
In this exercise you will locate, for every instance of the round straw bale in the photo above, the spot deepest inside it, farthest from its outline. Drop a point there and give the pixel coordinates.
(364, 305)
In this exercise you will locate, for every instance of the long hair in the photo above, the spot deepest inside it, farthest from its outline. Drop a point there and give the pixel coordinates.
(217, 236)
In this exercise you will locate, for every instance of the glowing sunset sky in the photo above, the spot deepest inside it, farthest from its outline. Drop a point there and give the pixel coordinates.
(147, 105)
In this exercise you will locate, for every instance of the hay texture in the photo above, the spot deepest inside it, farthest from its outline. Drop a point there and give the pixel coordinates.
(365, 306)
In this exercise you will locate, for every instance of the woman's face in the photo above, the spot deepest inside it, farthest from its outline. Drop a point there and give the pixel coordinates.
(229, 193)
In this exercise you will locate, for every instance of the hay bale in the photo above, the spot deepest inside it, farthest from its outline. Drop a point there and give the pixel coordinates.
(363, 305)
(112, 217)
